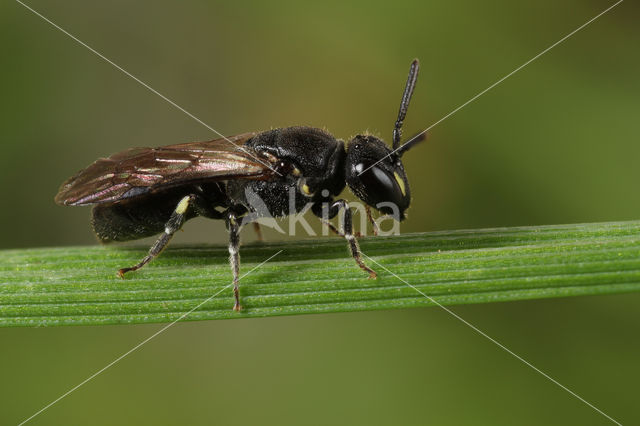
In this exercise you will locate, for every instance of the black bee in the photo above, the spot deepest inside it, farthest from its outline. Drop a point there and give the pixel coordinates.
(146, 191)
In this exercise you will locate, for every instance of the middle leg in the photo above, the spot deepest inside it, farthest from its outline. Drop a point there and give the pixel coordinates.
(258, 231)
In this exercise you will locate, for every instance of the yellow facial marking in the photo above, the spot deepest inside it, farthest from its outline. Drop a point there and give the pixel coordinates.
(296, 172)
(182, 205)
(400, 183)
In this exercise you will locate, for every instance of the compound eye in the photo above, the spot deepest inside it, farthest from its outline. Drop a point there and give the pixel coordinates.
(381, 187)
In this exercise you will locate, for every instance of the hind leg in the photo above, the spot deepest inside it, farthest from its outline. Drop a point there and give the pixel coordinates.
(234, 255)
(173, 224)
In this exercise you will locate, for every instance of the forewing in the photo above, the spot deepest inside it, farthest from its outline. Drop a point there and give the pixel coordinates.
(137, 171)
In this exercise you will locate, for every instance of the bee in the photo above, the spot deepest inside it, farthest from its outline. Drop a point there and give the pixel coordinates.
(141, 192)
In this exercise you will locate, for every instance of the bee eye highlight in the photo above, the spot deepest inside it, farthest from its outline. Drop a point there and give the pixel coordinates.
(382, 187)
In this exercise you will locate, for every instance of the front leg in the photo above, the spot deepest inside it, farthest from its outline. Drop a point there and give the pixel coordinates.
(318, 210)
(347, 232)
(336, 231)
(374, 225)
(234, 256)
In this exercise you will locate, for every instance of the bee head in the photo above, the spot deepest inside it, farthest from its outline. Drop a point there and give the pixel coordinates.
(377, 176)
(374, 172)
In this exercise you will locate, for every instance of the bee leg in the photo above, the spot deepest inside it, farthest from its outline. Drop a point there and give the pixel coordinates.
(316, 208)
(234, 256)
(256, 228)
(374, 225)
(173, 224)
(336, 231)
(347, 233)
(332, 227)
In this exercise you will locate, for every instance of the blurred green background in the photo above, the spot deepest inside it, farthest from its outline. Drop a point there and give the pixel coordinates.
(555, 143)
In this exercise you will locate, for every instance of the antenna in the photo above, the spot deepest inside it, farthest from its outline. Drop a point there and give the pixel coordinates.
(404, 104)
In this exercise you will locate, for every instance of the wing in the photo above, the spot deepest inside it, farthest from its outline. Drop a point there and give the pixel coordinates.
(138, 171)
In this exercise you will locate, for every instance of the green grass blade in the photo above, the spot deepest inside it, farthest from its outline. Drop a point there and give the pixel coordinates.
(78, 285)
